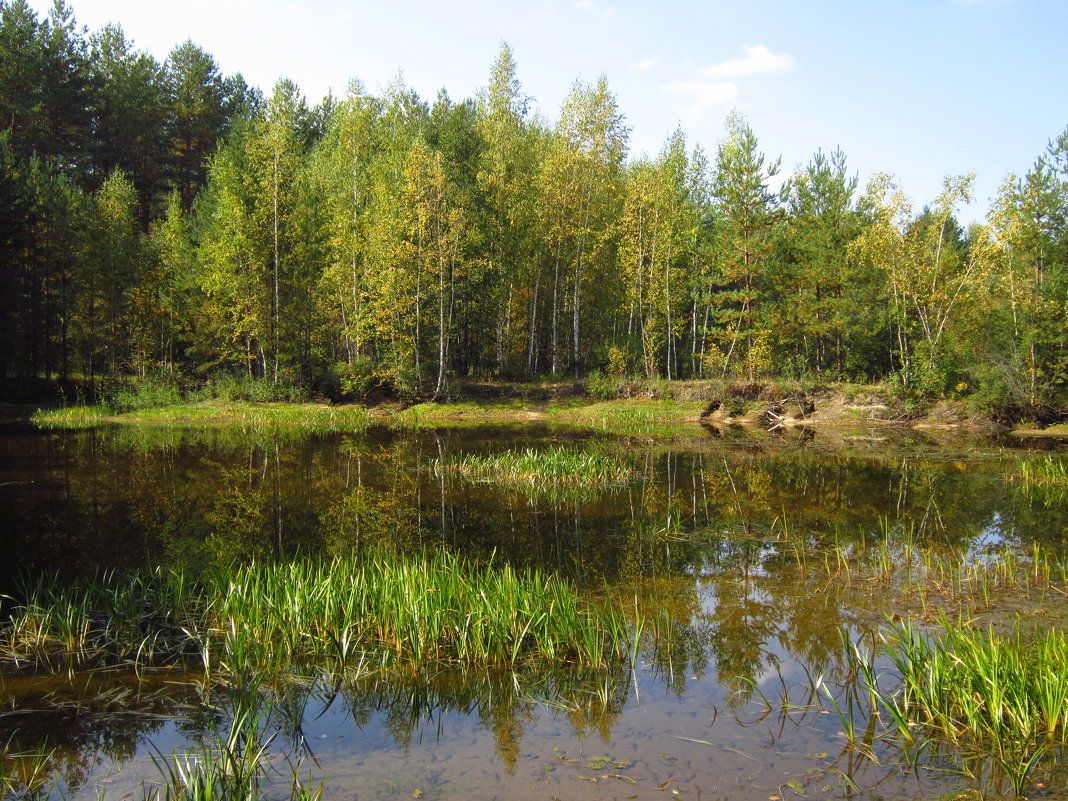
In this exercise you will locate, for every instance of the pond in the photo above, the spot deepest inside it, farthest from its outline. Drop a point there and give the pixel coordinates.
(765, 555)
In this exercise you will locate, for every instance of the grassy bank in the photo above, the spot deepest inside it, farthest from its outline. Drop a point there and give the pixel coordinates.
(615, 404)
(656, 408)
(234, 413)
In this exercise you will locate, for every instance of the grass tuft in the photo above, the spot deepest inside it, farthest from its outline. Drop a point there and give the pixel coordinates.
(551, 468)
(1047, 472)
(995, 698)
(375, 612)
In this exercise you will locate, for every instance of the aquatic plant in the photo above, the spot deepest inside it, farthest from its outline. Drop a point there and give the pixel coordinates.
(993, 698)
(26, 774)
(377, 611)
(233, 760)
(1046, 472)
(552, 467)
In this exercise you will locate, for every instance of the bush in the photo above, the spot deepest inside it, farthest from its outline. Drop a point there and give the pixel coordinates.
(617, 362)
(362, 381)
(228, 387)
(149, 393)
(599, 385)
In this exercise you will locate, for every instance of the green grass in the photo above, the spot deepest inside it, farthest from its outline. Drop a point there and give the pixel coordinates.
(550, 468)
(71, 416)
(375, 612)
(26, 775)
(660, 419)
(309, 416)
(627, 414)
(996, 699)
(1047, 472)
(652, 418)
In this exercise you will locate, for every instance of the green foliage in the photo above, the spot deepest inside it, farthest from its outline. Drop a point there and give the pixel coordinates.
(745, 217)
(617, 362)
(165, 218)
(602, 386)
(372, 611)
(229, 387)
(150, 393)
(361, 381)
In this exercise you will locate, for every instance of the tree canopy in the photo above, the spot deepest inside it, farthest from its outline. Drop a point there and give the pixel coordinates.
(165, 218)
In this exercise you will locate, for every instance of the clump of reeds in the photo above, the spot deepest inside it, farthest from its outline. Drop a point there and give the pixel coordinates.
(71, 416)
(233, 761)
(1047, 472)
(139, 619)
(379, 611)
(552, 467)
(996, 698)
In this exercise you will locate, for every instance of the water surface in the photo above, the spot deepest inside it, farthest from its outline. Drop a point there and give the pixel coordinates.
(709, 528)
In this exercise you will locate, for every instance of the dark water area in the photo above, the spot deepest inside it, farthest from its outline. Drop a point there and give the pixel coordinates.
(79, 501)
(710, 529)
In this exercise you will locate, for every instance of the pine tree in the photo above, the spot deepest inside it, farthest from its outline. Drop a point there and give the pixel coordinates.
(746, 214)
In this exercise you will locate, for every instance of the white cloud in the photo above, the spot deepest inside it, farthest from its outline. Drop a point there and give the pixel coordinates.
(757, 59)
(644, 64)
(593, 8)
(704, 94)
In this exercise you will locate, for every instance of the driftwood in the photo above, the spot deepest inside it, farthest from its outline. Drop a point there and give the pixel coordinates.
(775, 415)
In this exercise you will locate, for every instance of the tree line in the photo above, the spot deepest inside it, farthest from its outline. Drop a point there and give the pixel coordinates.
(164, 219)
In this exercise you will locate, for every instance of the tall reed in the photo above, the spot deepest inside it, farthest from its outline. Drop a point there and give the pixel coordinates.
(1045, 472)
(375, 611)
(1000, 698)
(560, 466)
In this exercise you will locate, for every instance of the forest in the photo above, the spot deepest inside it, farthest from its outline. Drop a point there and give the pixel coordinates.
(165, 222)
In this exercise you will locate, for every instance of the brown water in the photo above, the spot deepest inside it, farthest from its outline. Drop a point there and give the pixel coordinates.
(710, 529)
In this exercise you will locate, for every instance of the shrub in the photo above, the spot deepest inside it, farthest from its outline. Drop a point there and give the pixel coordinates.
(149, 393)
(229, 387)
(599, 385)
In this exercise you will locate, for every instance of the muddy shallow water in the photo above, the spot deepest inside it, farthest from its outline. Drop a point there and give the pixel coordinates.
(762, 549)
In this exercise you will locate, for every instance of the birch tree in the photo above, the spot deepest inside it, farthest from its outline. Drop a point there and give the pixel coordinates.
(581, 187)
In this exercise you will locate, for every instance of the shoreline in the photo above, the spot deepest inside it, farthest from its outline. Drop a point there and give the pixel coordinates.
(828, 410)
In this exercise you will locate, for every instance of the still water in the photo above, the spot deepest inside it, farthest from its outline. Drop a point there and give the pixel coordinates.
(717, 527)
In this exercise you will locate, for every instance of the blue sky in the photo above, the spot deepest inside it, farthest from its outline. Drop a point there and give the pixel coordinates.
(915, 88)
